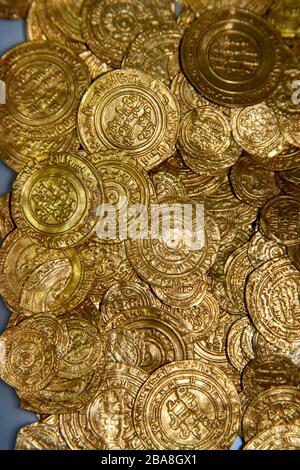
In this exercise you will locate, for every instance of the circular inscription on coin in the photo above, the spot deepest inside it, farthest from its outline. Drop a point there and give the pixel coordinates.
(130, 111)
(187, 405)
(280, 220)
(232, 56)
(284, 437)
(44, 83)
(55, 200)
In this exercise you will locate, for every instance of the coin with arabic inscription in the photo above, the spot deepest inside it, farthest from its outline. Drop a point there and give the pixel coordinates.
(232, 56)
(280, 220)
(282, 437)
(44, 84)
(183, 295)
(130, 111)
(55, 200)
(187, 405)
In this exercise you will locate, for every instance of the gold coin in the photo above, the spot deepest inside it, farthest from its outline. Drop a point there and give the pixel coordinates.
(272, 298)
(167, 185)
(282, 99)
(110, 26)
(187, 405)
(55, 200)
(209, 45)
(256, 129)
(284, 437)
(247, 342)
(166, 261)
(233, 344)
(28, 359)
(270, 370)
(150, 52)
(236, 271)
(15, 10)
(262, 249)
(60, 21)
(6, 222)
(262, 347)
(165, 335)
(125, 347)
(280, 220)
(201, 320)
(129, 111)
(186, 94)
(272, 407)
(48, 74)
(289, 182)
(125, 296)
(33, 29)
(285, 17)
(17, 151)
(288, 159)
(183, 295)
(251, 183)
(256, 6)
(44, 435)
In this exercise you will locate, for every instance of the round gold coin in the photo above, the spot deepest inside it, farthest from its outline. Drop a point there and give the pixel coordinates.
(282, 437)
(213, 55)
(272, 407)
(129, 111)
(233, 343)
(55, 200)
(125, 347)
(33, 28)
(272, 298)
(44, 435)
(187, 405)
(182, 295)
(237, 269)
(44, 84)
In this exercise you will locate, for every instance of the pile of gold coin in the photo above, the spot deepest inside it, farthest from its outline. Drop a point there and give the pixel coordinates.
(145, 343)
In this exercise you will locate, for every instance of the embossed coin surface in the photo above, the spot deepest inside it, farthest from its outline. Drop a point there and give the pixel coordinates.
(187, 405)
(55, 200)
(232, 56)
(44, 85)
(280, 220)
(282, 437)
(130, 111)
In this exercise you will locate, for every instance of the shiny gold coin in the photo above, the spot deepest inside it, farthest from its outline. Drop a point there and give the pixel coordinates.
(167, 261)
(126, 296)
(187, 405)
(186, 94)
(164, 334)
(280, 220)
(129, 111)
(15, 10)
(28, 359)
(209, 45)
(150, 52)
(233, 344)
(285, 17)
(125, 347)
(33, 29)
(96, 66)
(48, 74)
(270, 370)
(256, 6)
(17, 151)
(110, 26)
(262, 249)
(247, 342)
(272, 298)
(167, 185)
(251, 183)
(182, 295)
(44, 435)
(288, 159)
(272, 407)
(6, 222)
(256, 129)
(262, 347)
(284, 99)
(55, 200)
(236, 270)
(282, 437)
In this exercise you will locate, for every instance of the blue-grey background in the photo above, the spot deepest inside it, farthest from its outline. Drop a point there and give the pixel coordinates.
(12, 418)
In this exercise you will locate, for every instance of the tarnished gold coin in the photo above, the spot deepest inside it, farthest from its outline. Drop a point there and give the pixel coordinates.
(261, 249)
(46, 73)
(251, 183)
(165, 335)
(213, 55)
(129, 111)
(6, 222)
(17, 151)
(182, 295)
(55, 200)
(272, 407)
(256, 129)
(270, 370)
(109, 26)
(187, 405)
(44, 435)
(15, 10)
(284, 437)
(150, 52)
(126, 296)
(28, 359)
(280, 220)
(272, 298)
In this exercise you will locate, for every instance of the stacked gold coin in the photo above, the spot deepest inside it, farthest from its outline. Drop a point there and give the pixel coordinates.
(150, 342)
